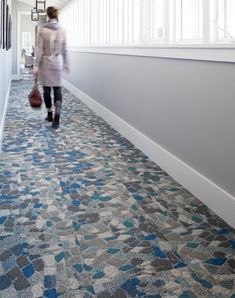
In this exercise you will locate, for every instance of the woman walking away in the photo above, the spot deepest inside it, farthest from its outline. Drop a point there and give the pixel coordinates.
(51, 60)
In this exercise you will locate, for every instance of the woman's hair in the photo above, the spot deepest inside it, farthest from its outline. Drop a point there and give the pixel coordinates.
(52, 12)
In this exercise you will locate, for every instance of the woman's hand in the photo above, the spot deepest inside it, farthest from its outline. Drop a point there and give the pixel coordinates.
(66, 68)
(35, 71)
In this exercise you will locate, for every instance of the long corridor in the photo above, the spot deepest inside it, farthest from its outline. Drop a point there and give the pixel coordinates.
(83, 213)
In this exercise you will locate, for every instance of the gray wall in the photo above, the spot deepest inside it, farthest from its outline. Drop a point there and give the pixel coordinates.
(5, 80)
(17, 6)
(185, 106)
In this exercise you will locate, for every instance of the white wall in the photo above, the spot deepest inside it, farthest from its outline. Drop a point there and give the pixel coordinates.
(185, 107)
(5, 82)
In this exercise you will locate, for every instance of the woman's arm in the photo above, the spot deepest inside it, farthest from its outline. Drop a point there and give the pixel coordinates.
(40, 44)
(65, 53)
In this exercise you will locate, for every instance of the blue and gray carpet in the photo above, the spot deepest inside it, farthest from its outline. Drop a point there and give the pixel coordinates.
(83, 213)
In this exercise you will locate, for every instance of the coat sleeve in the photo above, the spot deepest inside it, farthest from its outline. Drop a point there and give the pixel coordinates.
(40, 43)
(65, 51)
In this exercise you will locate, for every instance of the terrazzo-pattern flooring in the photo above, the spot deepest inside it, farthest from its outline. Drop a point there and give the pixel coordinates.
(83, 213)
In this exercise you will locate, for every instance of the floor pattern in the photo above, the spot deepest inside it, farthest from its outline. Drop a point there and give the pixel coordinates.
(83, 213)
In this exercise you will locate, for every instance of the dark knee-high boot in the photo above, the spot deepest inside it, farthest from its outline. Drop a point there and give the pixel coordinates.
(56, 121)
(49, 117)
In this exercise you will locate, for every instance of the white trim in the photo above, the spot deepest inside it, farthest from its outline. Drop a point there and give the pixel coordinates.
(220, 201)
(4, 116)
(190, 52)
(206, 7)
(15, 77)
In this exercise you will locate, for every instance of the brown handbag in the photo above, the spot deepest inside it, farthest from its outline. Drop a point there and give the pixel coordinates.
(35, 98)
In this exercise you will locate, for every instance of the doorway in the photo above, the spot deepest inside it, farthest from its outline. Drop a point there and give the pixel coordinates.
(26, 41)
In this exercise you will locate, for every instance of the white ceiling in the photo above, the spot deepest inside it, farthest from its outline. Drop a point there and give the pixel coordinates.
(56, 3)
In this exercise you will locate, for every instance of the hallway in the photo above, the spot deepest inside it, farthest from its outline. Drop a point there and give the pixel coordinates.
(83, 213)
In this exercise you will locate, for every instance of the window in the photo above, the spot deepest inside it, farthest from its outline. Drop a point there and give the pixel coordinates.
(27, 42)
(225, 20)
(123, 23)
(189, 20)
(156, 27)
(94, 9)
(113, 22)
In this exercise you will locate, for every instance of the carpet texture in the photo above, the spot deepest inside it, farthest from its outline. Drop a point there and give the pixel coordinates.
(83, 213)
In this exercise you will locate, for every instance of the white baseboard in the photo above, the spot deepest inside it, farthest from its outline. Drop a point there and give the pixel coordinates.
(220, 201)
(4, 116)
(15, 77)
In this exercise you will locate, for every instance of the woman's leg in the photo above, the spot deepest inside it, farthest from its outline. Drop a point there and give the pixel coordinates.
(57, 99)
(48, 104)
(58, 103)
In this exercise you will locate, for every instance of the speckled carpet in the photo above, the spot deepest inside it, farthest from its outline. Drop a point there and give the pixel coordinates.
(83, 213)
